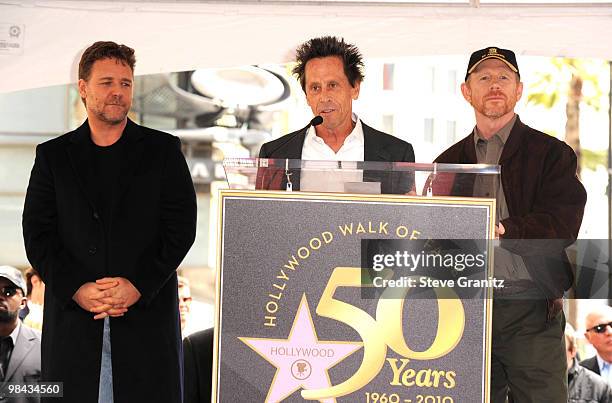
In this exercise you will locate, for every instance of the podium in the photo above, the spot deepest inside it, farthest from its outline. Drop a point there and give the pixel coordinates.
(375, 287)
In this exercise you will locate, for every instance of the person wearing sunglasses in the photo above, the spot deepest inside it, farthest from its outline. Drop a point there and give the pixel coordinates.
(19, 344)
(583, 385)
(599, 334)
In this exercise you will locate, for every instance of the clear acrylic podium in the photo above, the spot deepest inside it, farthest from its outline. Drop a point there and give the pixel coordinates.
(294, 244)
(363, 177)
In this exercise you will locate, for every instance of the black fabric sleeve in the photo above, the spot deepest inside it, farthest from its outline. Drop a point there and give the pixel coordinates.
(178, 213)
(48, 256)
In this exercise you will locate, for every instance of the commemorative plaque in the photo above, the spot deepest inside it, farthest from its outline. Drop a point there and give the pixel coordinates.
(305, 313)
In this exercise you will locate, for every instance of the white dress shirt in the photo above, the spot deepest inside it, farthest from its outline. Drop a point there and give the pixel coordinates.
(327, 177)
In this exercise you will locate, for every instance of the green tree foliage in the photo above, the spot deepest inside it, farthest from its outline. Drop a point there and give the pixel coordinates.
(565, 83)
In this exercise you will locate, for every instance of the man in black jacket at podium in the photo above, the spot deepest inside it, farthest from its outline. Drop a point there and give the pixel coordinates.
(330, 73)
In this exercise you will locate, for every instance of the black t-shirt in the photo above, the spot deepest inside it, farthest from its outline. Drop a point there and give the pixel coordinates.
(107, 164)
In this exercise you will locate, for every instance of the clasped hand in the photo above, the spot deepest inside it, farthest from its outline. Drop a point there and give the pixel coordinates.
(109, 296)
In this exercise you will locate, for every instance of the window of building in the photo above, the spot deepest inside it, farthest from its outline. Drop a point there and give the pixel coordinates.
(388, 76)
(451, 131)
(388, 123)
(452, 82)
(428, 130)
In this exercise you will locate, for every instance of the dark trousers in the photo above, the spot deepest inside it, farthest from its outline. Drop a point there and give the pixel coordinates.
(528, 353)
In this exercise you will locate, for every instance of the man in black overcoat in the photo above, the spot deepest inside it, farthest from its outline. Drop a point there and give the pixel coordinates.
(110, 213)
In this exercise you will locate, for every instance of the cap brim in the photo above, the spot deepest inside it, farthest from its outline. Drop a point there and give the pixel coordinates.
(492, 57)
(14, 283)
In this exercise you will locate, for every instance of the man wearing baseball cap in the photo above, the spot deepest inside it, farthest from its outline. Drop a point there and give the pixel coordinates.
(540, 203)
(19, 345)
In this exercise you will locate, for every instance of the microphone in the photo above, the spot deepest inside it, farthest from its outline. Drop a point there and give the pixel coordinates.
(316, 121)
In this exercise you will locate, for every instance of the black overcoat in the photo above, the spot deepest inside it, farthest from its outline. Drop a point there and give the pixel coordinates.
(152, 226)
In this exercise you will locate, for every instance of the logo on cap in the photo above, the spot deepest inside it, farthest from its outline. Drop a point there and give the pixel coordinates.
(492, 52)
(505, 55)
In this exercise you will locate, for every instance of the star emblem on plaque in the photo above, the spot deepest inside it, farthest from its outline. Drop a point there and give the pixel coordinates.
(301, 360)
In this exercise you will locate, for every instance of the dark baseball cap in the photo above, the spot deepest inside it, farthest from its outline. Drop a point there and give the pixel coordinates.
(14, 276)
(505, 55)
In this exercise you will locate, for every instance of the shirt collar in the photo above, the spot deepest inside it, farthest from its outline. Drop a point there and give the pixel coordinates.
(356, 134)
(601, 362)
(15, 332)
(502, 134)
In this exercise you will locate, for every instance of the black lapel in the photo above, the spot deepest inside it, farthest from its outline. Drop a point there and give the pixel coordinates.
(463, 184)
(468, 153)
(513, 172)
(25, 343)
(80, 154)
(131, 157)
(514, 142)
(373, 150)
(292, 149)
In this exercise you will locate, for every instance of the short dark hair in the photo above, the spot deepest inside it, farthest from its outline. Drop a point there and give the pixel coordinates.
(105, 50)
(326, 46)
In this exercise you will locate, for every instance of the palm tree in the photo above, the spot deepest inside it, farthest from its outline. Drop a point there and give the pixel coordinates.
(566, 82)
